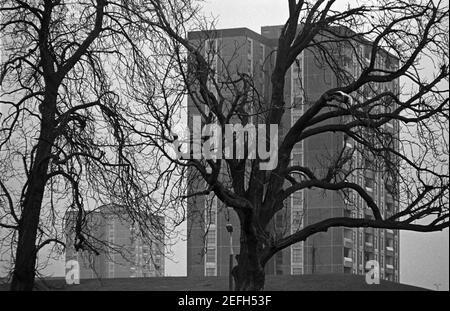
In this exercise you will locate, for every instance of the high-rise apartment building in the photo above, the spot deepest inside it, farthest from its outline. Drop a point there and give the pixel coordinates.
(208, 244)
(340, 250)
(122, 252)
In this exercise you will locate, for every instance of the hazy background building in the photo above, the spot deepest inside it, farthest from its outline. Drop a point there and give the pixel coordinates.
(122, 251)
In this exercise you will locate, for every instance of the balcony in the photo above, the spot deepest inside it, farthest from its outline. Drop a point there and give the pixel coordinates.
(370, 231)
(210, 264)
(389, 199)
(348, 243)
(369, 182)
(368, 247)
(369, 189)
(389, 251)
(369, 174)
(348, 207)
(348, 262)
(348, 237)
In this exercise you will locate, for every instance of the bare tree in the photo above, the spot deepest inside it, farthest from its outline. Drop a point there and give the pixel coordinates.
(91, 113)
(396, 132)
(65, 139)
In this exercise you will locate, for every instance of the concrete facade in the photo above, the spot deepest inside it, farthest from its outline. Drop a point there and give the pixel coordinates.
(123, 253)
(339, 250)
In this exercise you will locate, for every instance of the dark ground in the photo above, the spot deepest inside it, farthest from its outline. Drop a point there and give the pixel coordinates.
(326, 282)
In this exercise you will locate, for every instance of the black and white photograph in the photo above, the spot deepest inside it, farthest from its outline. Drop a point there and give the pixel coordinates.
(216, 154)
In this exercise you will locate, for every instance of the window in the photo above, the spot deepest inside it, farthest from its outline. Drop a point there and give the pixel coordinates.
(279, 258)
(297, 158)
(368, 238)
(348, 234)
(369, 182)
(389, 277)
(297, 199)
(367, 51)
(211, 237)
(297, 255)
(347, 252)
(111, 269)
(389, 206)
(210, 272)
(390, 243)
(111, 235)
(249, 47)
(389, 260)
(110, 223)
(157, 260)
(368, 257)
(297, 270)
(211, 254)
(211, 215)
(279, 220)
(297, 67)
(297, 102)
(261, 66)
(295, 115)
(347, 141)
(296, 218)
(296, 87)
(210, 205)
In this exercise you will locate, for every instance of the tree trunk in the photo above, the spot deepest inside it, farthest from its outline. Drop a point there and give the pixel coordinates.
(249, 274)
(24, 268)
(248, 277)
(26, 252)
(25, 263)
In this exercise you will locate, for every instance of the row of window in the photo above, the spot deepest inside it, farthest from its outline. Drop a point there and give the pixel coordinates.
(211, 235)
(297, 158)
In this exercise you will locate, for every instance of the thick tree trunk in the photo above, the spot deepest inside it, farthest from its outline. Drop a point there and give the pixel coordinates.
(26, 252)
(24, 268)
(249, 274)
